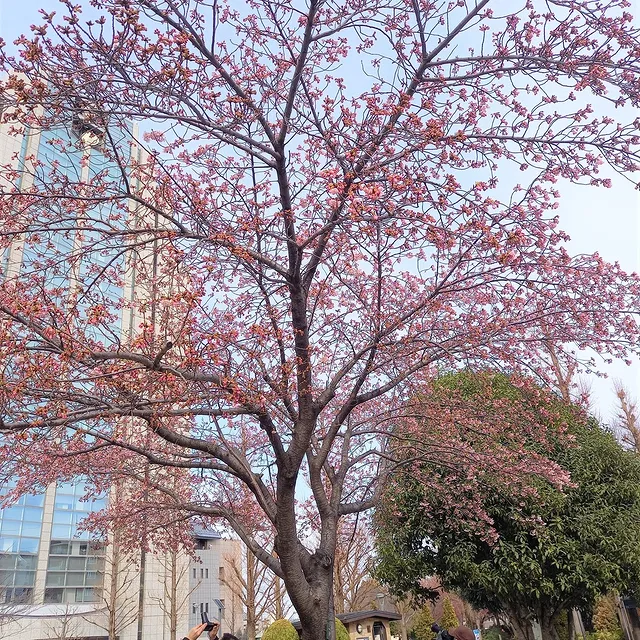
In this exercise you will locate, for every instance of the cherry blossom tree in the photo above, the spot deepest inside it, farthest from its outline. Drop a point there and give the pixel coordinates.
(329, 201)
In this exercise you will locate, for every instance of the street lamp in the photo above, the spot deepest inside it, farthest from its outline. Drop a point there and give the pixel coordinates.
(220, 606)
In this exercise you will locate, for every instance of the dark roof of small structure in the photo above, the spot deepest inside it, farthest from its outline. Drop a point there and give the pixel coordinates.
(354, 616)
(206, 534)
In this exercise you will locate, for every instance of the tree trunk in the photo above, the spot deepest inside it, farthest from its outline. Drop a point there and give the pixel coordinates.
(311, 595)
(112, 607)
(403, 628)
(547, 626)
(314, 605)
(308, 577)
(277, 587)
(251, 595)
(173, 617)
(520, 623)
(570, 625)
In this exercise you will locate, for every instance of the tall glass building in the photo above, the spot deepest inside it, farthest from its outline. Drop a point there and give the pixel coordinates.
(44, 556)
(51, 570)
(40, 538)
(20, 534)
(75, 566)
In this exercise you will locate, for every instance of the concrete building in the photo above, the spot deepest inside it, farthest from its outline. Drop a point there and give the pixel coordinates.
(212, 583)
(55, 580)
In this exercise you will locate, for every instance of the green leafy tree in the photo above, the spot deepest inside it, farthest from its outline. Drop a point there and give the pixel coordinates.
(280, 630)
(449, 618)
(554, 550)
(421, 629)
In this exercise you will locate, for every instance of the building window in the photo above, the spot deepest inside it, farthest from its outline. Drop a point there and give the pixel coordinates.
(195, 608)
(75, 569)
(201, 607)
(201, 573)
(20, 529)
(206, 573)
(5, 102)
(195, 575)
(221, 573)
(206, 607)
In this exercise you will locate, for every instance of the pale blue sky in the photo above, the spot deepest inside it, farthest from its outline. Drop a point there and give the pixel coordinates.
(603, 220)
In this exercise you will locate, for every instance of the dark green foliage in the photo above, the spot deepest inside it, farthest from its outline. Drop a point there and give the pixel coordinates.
(555, 550)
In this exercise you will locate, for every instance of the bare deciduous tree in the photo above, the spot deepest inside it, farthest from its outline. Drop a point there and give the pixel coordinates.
(175, 592)
(626, 421)
(117, 598)
(259, 590)
(353, 586)
(64, 627)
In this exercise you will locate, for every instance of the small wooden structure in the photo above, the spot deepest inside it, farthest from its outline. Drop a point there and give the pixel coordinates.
(364, 625)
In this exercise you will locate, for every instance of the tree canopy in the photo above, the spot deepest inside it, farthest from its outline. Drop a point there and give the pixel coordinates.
(239, 236)
(556, 550)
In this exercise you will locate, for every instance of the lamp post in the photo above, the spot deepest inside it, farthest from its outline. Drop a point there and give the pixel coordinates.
(220, 606)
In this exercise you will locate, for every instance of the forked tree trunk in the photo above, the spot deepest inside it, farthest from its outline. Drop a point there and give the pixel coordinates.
(547, 625)
(521, 624)
(308, 577)
(310, 591)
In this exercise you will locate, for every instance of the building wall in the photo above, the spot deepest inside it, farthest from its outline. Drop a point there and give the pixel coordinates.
(370, 629)
(53, 582)
(211, 579)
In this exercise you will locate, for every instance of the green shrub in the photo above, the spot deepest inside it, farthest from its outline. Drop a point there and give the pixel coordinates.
(449, 618)
(341, 631)
(280, 630)
(608, 635)
(492, 633)
(421, 629)
(562, 625)
(605, 615)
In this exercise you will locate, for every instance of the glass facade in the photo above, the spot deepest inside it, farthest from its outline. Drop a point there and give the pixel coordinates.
(47, 248)
(20, 532)
(75, 568)
(74, 562)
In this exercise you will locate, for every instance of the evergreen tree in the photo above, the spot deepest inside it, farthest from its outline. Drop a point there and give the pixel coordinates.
(586, 542)
(341, 631)
(605, 618)
(449, 618)
(421, 629)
